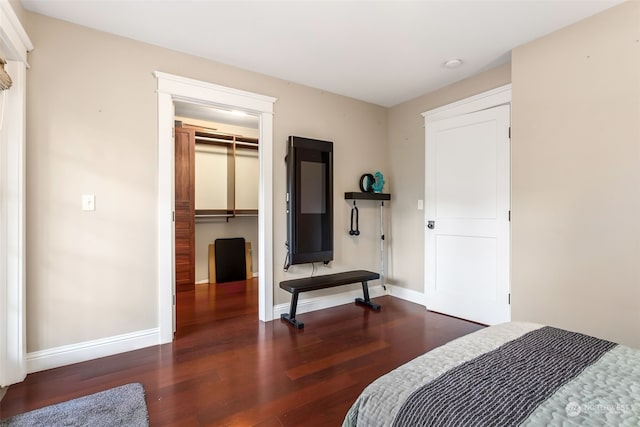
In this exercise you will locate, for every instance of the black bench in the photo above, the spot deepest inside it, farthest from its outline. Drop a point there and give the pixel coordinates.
(305, 284)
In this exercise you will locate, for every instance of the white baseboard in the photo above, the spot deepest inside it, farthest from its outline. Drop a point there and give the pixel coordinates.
(407, 294)
(88, 350)
(309, 304)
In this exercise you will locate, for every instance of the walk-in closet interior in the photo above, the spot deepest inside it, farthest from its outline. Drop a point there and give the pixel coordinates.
(216, 198)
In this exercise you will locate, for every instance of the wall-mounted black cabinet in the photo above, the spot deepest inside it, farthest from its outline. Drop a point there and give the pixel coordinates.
(309, 200)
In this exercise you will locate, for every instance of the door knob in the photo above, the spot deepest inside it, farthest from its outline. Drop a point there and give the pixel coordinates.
(431, 225)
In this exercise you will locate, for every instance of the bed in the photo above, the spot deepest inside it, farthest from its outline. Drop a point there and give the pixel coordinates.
(510, 374)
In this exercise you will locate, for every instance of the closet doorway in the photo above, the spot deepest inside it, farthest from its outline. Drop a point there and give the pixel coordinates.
(172, 88)
(216, 212)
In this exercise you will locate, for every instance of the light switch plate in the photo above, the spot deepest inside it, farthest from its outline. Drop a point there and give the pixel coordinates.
(88, 202)
(420, 205)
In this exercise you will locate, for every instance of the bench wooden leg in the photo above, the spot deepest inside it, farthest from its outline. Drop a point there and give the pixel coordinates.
(291, 316)
(367, 301)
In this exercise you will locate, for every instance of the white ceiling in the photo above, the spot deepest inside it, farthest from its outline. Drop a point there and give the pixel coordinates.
(384, 52)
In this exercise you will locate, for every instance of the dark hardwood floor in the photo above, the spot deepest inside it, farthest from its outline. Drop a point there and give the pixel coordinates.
(226, 368)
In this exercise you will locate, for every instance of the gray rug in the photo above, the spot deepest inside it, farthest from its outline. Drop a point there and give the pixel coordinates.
(119, 406)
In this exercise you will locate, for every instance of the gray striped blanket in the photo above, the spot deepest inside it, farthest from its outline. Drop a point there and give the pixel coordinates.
(507, 375)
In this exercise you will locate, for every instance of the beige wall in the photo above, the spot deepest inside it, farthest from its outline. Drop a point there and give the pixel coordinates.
(406, 157)
(576, 177)
(91, 128)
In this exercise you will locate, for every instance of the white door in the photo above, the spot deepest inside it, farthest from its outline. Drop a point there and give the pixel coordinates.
(467, 212)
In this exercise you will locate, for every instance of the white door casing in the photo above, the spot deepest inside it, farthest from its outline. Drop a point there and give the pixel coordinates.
(467, 194)
(170, 88)
(14, 45)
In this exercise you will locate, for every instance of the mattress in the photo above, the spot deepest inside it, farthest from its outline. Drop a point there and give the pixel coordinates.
(511, 374)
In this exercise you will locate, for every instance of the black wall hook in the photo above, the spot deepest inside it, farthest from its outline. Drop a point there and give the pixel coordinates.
(354, 214)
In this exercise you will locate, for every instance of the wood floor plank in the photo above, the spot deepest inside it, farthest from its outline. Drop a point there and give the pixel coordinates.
(334, 406)
(303, 396)
(227, 368)
(335, 359)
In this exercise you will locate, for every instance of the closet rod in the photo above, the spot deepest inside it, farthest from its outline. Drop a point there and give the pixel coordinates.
(205, 138)
(225, 141)
(223, 215)
(247, 144)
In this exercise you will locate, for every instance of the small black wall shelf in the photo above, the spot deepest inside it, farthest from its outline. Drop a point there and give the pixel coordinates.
(358, 195)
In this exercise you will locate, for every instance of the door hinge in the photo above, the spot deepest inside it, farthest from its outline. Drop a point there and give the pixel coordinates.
(174, 299)
(173, 132)
(509, 132)
(173, 216)
(509, 299)
(509, 216)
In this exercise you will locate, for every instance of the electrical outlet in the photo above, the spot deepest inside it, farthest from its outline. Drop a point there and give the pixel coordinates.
(88, 202)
